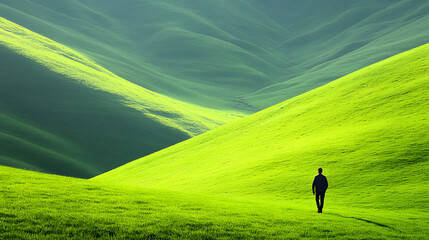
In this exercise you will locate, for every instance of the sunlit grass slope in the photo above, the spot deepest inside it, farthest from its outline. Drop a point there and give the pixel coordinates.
(368, 130)
(40, 206)
(229, 54)
(107, 119)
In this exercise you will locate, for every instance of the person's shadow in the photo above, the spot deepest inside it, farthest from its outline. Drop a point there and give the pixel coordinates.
(364, 220)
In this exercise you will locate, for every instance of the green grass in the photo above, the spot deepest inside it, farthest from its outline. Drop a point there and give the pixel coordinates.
(368, 130)
(39, 206)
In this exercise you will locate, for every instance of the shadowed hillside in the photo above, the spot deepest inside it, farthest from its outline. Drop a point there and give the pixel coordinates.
(100, 131)
(98, 120)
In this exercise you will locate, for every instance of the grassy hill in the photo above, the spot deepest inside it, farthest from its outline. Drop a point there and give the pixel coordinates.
(252, 178)
(62, 113)
(368, 130)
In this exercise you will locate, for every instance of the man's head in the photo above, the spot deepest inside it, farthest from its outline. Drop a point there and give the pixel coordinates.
(320, 170)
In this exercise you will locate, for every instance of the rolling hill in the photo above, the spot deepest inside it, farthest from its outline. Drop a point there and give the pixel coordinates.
(369, 130)
(87, 86)
(252, 178)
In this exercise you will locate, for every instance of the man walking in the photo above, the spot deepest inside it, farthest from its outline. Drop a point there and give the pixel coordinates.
(320, 184)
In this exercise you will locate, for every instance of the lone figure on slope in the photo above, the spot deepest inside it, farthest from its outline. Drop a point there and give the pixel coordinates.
(320, 184)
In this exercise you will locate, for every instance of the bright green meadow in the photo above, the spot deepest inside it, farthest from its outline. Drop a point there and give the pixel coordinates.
(251, 179)
(42, 206)
(72, 71)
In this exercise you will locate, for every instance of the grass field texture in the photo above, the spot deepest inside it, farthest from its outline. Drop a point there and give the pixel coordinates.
(39, 206)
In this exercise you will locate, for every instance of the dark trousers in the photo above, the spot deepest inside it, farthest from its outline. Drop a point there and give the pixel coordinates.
(320, 195)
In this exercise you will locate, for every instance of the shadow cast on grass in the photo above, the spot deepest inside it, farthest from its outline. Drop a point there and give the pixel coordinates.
(365, 220)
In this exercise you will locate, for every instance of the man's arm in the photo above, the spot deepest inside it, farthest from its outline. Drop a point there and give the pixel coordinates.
(314, 184)
(326, 181)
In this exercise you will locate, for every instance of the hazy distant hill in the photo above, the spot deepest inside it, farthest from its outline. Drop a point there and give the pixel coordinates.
(226, 53)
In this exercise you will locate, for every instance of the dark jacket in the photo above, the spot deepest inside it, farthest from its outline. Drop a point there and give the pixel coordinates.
(320, 184)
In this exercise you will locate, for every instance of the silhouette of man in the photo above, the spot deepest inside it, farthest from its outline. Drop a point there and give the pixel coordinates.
(320, 184)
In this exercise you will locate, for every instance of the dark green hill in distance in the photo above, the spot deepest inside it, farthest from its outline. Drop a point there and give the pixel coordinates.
(368, 130)
(226, 54)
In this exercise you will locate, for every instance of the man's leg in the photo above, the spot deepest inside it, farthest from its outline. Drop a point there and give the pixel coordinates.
(322, 200)
(317, 202)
